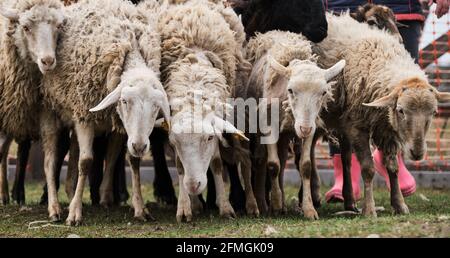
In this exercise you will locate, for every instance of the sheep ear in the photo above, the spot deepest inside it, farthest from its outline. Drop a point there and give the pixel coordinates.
(385, 101)
(161, 123)
(224, 126)
(163, 103)
(443, 96)
(112, 98)
(331, 72)
(214, 59)
(279, 68)
(11, 14)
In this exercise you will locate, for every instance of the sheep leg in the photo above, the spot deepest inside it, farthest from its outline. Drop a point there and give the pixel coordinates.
(95, 175)
(237, 194)
(210, 202)
(140, 211)
(18, 191)
(72, 167)
(259, 171)
(222, 201)
(273, 168)
(283, 148)
(49, 143)
(196, 204)
(184, 203)
(5, 142)
(115, 143)
(362, 150)
(305, 173)
(251, 205)
(120, 191)
(315, 179)
(162, 184)
(85, 135)
(347, 189)
(397, 200)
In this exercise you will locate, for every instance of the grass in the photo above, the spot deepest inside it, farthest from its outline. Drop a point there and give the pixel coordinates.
(427, 219)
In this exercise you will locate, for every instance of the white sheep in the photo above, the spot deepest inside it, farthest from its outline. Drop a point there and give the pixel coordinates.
(108, 48)
(383, 98)
(29, 31)
(199, 73)
(285, 69)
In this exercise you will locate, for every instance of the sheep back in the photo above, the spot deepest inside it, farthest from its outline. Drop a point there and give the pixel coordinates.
(96, 40)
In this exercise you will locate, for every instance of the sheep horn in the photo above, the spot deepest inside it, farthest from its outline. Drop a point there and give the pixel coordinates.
(334, 70)
(227, 127)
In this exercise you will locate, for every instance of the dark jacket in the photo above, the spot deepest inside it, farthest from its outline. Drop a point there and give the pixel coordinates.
(298, 16)
(403, 9)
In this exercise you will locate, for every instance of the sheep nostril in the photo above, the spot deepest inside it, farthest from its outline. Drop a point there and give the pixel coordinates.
(305, 130)
(48, 61)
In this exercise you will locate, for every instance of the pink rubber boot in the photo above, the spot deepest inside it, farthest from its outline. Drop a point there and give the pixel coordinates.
(335, 193)
(405, 179)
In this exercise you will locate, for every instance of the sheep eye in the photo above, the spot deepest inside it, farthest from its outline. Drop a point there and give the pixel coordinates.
(124, 102)
(210, 138)
(400, 111)
(26, 28)
(290, 91)
(59, 27)
(324, 93)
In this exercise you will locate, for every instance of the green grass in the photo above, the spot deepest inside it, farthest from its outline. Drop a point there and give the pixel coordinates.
(427, 219)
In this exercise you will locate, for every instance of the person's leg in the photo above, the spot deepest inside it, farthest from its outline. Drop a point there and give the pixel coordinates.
(335, 193)
(411, 36)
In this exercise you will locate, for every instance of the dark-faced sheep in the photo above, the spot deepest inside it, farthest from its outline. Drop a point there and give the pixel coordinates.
(305, 17)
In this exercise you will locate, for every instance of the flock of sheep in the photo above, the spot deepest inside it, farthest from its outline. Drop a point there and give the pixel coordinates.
(111, 66)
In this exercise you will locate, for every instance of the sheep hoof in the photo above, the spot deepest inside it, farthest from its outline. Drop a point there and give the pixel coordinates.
(369, 212)
(184, 213)
(401, 209)
(55, 218)
(5, 199)
(252, 209)
(73, 223)
(227, 211)
(310, 213)
(106, 204)
(144, 216)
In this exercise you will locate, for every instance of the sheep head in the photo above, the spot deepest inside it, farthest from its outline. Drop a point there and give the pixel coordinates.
(196, 140)
(412, 105)
(140, 98)
(379, 16)
(37, 27)
(308, 88)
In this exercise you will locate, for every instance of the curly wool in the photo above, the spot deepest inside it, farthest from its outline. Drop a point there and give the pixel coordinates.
(192, 28)
(376, 62)
(96, 41)
(19, 76)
